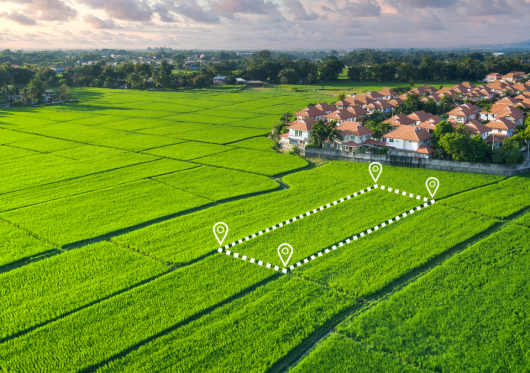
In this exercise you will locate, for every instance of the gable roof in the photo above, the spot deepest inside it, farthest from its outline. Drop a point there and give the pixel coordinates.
(325, 107)
(516, 114)
(388, 92)
(420, 116)
(400, 119)
(501, 124)
(431, 123)
(302, 124)
(475, 127)
(311, 111)
(340, 114)
(357, 110)
(354, 129)
(411, 133)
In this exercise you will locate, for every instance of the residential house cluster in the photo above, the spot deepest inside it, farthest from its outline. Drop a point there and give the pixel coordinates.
(411, 134)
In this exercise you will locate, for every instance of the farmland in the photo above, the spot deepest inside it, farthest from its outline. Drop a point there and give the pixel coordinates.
(108, 262)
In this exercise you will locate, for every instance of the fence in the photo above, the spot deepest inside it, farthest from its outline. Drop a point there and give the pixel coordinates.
(434, 164)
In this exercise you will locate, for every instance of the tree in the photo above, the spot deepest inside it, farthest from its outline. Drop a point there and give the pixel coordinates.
(36, 89)
(341, 96)
(64, 92)
(456, 144)
(109, 82)
(479, 151)
(231, 80)
(430, 107)
(289, 76)
(318, 133)
(331, 70)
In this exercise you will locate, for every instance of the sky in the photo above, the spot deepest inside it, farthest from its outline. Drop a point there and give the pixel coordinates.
(260, 24)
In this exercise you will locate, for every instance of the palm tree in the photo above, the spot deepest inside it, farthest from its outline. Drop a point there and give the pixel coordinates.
(332, 132)
(318, 133)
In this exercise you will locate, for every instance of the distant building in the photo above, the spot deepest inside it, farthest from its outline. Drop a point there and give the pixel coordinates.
(245, 54)
(219, 80)
(499, 53)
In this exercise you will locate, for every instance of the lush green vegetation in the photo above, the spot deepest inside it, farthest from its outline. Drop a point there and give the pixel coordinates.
(16, 245)
(146, 175)
(307, 238)
(246, 335)
(42, 291)
(338, 354)
(499, 201)
(469, 313)
(377, 260)
(113, 325)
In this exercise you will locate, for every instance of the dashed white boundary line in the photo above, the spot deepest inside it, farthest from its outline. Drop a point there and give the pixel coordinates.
(334, 247)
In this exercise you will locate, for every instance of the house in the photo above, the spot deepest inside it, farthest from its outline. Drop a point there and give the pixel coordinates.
(501, 127)
(245, 54)
(436, 98)
(303, 81)
(431, 123)
(300, 131)
(396, 102)
(360, 100)
(410, 138)
(240, 81)
(388, 94)
(376, 96)
(311, 112)
(355, 135)
(381, 106)
(400, 120)
(254, 83)
(219, 80)
(419, 117)
(513, 76)
(464, 113)
(493, 77)
(342, 104)
(512, 114)
(476, 128)
(326, 108)
(48, 93)
(341, 116)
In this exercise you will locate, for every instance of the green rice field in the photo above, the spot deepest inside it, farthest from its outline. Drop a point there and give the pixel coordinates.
(109, 262)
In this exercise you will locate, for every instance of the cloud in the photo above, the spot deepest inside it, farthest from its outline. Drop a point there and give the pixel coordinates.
(297, 8)
(488, 8)
(193, 11)
(229, 8)
(45, 10)
(360, 8)
(427, 3)
(163, 13)
(19, 18)
(127, 10)
(99, 23)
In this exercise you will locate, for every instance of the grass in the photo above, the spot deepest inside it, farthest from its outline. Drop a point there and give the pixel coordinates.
(470, 312)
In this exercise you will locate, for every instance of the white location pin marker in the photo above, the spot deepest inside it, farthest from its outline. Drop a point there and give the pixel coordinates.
(432, 185)
(220, 230)
(285, 251)
(375, 169)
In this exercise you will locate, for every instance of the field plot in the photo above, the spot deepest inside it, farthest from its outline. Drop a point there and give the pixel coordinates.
(51, 288)
(185, 238)
(109, 327)
(220, 134)
(343, 221)
(188, 150)
(254, 161)
(411, 179)
(249, 334)
(478, 301)
(338, 354)
(10, 152)
(16, 245)
(256, 143)
(498, 201)
(199, 182)
(83, 184)
(375, 261)
(103, 211)
(46, 144)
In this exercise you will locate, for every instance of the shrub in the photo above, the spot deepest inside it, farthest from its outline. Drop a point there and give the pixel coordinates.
(17, 103)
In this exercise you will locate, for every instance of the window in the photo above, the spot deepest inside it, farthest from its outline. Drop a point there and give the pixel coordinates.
(352, 137)
(410, 141)
(390, 140)
(298, 133)
(500, 131)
